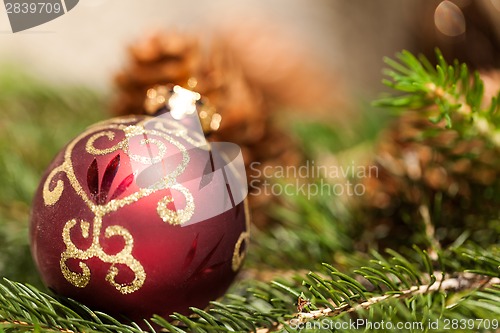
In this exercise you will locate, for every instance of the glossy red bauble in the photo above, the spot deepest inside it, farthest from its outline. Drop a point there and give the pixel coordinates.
(136, 217)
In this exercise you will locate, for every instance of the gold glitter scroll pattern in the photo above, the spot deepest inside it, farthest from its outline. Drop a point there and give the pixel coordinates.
(50, 197)
(124, 257)
(239, 254)
(157, 136)
(178, 216)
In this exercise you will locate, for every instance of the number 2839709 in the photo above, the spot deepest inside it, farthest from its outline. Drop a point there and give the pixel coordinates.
(33, 7)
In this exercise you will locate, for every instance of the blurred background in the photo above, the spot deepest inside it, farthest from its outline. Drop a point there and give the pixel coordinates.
(344, 40)
(293, 79)
(88, 44)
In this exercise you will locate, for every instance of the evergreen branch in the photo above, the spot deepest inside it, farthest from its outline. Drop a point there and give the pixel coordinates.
(468, 272)
(455, 284)
(24, 305)
(464, 281)
(20, 326)
(460, 281)
(308, 232)
(457, 94)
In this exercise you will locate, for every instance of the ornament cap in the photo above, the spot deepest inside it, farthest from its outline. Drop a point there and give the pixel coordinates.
(181, 102)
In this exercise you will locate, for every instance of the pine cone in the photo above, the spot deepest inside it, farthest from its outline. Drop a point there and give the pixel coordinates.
(420, 162)
(210, 69)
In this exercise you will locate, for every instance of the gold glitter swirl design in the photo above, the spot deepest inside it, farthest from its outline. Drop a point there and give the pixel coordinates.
(52, 194)
(111, 136)
(50, 197)
(124, 257)
(176, 129)
(123, 145)
(238, 254)
(178, 216)
(148, 160)
(78, 280)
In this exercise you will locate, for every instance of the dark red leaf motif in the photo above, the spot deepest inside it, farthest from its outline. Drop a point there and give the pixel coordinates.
(212, 268)
(93, 180)
(123, 186)
(191, 253)
(107, 179)
(100, 194)
(202, 267)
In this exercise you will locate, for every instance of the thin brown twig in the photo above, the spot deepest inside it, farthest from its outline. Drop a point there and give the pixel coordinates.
(462, 282)
(430, 231)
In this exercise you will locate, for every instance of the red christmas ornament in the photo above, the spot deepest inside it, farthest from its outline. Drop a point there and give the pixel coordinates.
(136, 217)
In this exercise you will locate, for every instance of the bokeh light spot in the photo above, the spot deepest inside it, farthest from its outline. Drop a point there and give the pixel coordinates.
(449, 19)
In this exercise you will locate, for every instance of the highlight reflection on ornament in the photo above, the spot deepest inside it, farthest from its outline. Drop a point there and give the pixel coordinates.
(181, 103)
